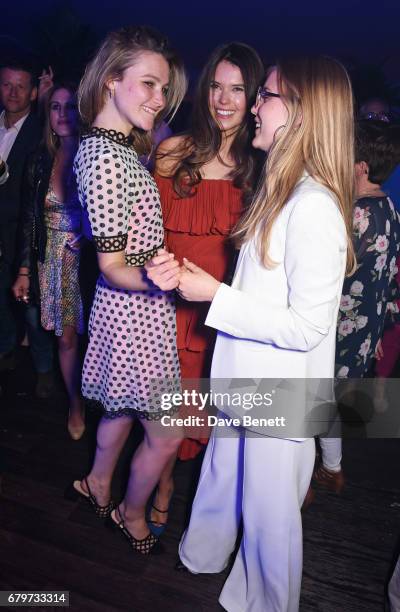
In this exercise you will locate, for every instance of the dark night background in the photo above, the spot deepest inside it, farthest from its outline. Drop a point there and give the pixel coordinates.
(65, 32)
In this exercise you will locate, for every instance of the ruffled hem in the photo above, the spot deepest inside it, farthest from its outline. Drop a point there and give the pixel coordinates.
(214, 209)
(192, 334)
(131, 412)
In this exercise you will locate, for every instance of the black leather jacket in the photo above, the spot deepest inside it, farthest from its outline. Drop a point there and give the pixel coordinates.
(33, 234)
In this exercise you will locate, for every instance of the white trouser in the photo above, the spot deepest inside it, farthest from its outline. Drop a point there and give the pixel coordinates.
(394, 589)
(265, 480)
(331, 449)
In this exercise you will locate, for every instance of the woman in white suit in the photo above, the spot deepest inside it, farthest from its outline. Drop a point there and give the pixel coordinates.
(277, 320)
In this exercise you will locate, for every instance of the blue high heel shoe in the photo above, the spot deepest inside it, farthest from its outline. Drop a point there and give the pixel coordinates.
(156, 527)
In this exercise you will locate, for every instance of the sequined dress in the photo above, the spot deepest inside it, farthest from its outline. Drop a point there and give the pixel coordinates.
(132, 334)
(60, 299)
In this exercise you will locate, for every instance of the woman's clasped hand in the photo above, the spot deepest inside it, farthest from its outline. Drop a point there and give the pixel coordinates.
(196, 285)
(191, 282)
(163, 270)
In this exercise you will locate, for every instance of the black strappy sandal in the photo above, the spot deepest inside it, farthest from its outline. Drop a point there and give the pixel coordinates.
(149, 545)
(73, 494)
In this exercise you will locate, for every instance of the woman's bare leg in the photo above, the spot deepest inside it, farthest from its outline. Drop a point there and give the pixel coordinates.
(150, 459)
(68, 352)
(111, 437)
(164, 493)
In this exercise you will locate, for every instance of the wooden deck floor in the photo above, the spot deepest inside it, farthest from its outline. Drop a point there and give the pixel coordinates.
(47, 542)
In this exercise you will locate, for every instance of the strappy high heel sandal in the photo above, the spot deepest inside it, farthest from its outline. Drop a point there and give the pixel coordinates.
(73, 494)
(149, 545)
(155, 526)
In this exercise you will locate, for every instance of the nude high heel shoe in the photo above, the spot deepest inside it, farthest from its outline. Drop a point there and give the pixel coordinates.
(76, 431)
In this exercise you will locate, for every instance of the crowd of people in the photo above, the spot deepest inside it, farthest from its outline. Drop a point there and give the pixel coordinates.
(261, 245)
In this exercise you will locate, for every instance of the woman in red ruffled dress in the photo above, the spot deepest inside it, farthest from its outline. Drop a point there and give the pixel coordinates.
(205, 179)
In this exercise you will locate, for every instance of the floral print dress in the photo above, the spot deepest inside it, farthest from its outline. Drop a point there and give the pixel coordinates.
(368, 292)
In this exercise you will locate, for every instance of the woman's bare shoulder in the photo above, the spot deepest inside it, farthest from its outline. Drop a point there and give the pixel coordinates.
(170, 152)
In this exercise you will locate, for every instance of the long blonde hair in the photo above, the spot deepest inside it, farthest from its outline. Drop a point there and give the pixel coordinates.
(120, 50)
(318, 138)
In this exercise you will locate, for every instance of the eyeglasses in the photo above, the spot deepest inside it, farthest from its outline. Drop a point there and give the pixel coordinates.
(263, 94)
(376, 116)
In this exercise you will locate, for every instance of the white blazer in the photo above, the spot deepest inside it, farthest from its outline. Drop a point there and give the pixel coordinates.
(281, 322)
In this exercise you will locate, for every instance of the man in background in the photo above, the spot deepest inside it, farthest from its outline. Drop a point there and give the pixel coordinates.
(20, 133)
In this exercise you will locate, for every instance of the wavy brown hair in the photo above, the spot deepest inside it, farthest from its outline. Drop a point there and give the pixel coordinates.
(50, 139)
(120, 50)
(318, 138)
(203, 142)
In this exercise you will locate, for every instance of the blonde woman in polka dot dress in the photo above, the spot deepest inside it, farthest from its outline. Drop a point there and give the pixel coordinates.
(134, 79)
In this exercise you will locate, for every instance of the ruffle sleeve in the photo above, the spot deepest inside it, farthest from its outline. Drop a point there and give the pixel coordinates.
(214, 208)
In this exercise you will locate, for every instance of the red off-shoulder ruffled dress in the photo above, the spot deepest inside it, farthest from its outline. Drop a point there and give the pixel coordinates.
(198, 228)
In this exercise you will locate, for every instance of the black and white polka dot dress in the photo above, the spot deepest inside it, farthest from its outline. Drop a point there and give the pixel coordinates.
(132, 334)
